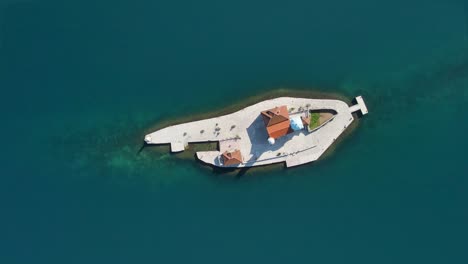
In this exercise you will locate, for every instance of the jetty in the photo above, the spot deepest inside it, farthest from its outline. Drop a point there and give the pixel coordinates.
(286, 129)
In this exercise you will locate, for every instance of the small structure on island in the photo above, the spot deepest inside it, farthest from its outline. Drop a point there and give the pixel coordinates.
(276, 121)
(232, 158)
(296, 123)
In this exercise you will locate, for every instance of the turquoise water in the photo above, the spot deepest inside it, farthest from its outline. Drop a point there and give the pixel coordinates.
(83, 81)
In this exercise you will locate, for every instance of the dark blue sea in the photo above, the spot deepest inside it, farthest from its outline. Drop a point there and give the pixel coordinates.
(82, 82)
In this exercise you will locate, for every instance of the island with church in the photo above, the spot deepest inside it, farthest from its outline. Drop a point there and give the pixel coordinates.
(286, 129)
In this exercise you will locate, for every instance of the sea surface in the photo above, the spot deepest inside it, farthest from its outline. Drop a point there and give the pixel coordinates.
(81, 83)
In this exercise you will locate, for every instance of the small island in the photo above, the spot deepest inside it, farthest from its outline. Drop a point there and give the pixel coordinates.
(286, 129)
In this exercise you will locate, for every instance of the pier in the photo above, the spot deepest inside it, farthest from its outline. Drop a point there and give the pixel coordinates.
(244, 131)
(360, 106)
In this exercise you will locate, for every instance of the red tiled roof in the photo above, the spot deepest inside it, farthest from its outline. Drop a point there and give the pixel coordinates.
(275, 115)
(232, 158)
(279, 130)
(277, 121)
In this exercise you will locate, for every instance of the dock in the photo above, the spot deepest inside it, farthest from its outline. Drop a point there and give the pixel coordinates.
(245, 131)
(360, 106)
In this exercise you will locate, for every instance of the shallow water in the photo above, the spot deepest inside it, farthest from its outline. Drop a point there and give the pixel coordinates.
(82, 82)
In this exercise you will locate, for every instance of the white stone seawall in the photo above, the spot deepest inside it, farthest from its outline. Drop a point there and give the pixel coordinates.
(245, 130)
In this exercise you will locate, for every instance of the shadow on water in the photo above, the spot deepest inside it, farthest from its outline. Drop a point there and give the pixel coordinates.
(143, 146)
(242, 172)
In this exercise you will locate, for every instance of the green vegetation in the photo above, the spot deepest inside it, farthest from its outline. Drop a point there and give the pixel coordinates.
(314, 120)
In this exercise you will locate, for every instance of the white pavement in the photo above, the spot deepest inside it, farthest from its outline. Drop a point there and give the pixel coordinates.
(245, 130)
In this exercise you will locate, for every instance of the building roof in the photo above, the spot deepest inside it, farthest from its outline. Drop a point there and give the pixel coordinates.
(275, 115)
(232, 158)
(279, 130)
(276, 121)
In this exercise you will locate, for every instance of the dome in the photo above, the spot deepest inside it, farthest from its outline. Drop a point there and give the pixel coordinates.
(271, 141)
